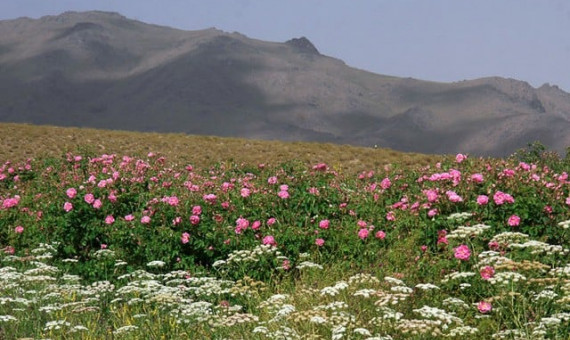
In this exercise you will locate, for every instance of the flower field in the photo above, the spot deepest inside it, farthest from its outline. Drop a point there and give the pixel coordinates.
(118, 247)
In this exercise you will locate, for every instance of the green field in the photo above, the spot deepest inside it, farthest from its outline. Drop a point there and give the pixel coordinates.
(120, 235)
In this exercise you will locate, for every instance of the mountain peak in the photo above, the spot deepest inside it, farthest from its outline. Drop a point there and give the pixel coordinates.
(303, 44)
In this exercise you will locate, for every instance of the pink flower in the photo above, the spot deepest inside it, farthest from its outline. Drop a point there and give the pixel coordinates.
(487, 272)
(286, 265)
(514, 221)
(453, 196)
(361, 224)
(185, 238)
(462, 252)
(256, 225)
(432, 212)
(271, 221)
(390, 216)
(71, 192)
(380, 234)
(484, 307)
(283, 187)
(97, 204)
(493, 245)
(431, 195)
(269, 240)
(245, 192)
(319, 242)
(424, 248)
(196, 210)
(324, 224)
(109, 219)
(103, 246)
(385, 184)
(363, 233)
(568, 200)
(283, 194)
(194, 219)
(102, 183)
(173, 201)
(145, 220)
(67, 206)
(210, 198)
(460, 158)
(272, 180)
(9, 250)
(500, 198)
(177, 220)
(89, 198)
(482, 199)
(19, 229)
(477, 178)
(320, 167)
(129, 218)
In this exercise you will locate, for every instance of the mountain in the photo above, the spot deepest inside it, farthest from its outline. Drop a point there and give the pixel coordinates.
(102, 70)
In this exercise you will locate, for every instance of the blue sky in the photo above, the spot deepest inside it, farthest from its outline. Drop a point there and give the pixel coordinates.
(439, 40)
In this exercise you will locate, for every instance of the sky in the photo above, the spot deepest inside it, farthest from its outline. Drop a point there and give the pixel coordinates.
(438, 40)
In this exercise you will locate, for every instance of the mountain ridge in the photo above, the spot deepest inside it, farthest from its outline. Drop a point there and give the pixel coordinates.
(103, 70)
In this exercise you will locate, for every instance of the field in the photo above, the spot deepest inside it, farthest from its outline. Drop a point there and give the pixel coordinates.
(133, 236)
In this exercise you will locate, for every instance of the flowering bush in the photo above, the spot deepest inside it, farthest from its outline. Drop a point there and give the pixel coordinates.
(462, 247)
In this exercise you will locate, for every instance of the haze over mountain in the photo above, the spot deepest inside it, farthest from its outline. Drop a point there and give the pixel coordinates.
(100, 69)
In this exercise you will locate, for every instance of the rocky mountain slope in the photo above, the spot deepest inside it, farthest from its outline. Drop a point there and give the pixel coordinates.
(99, 69)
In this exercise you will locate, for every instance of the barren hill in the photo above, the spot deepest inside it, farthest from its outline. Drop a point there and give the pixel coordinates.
(99, 69)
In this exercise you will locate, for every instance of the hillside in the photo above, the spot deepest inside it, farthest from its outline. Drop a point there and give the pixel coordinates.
(102, 70)
(19, 142)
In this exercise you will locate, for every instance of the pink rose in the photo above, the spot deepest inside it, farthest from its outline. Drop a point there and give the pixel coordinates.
(319, 242)
(71, 192)
(269, 240)
(194, 219)
(324, 224)
(477, 178)
(482, 199)
(109, 219)
(145, 220)
(185, 238)
(67, 206)
(283, 194)
(514, 221)
(271, 221)
(431, 195)
(245, 192)
(484, 307)
(256, 225)
(363, 234)
(380, 234)
(460, 158)
(129, 217)
(89, 198)
(19, 229)
(196, 210)
(97, 204)
(487, 272)
(272, 180)
(462, 252)
(385, 184)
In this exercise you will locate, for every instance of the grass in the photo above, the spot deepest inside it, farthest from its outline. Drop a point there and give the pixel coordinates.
(22, 141)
